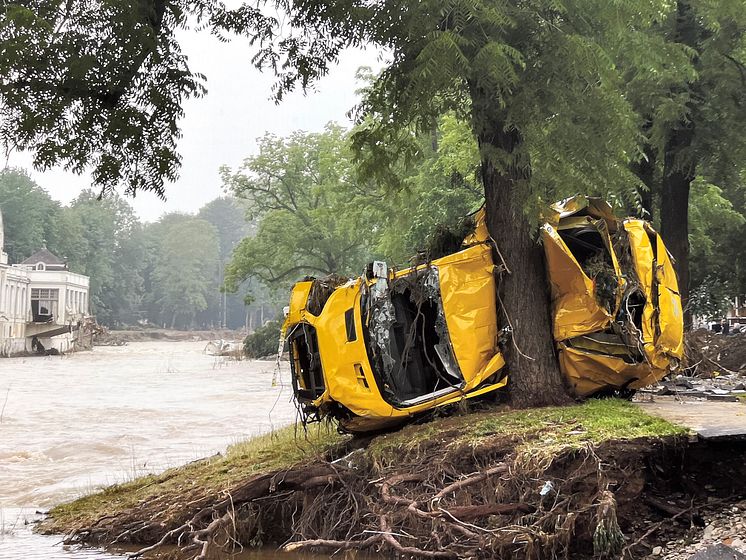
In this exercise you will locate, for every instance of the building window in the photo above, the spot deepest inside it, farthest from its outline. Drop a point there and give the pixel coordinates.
(44, 303)
(40, 266)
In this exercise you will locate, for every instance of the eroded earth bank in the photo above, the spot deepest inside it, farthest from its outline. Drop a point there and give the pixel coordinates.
(602, 479)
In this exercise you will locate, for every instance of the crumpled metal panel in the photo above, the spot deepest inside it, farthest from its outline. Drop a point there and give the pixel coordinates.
(574, 306)
(298, 301)
(576, 311)
(340, 359)
(588, 373)
(467, 288)
(642, 255)
(671, 314)
(663, 317)
(382, 318)
(575, 205)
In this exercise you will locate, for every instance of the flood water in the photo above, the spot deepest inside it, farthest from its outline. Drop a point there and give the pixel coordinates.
(71, 424)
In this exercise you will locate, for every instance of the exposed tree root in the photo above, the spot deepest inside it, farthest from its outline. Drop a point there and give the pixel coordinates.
(483, 502)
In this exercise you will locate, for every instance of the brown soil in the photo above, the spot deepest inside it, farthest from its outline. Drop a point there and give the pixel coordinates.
(620, 498)
(708, 353)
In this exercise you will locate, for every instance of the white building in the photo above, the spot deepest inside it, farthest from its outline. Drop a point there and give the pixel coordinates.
(14, 307)
(41, 301)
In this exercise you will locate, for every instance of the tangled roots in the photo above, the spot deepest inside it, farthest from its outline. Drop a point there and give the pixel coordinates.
(482, 503)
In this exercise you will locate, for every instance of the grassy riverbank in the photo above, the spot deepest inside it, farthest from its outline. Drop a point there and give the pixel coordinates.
(487, 466)
(213, 475)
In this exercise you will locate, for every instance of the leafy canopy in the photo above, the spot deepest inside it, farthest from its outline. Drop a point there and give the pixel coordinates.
(689, 91)
(438, 188)
(317, 214)
(543, 70)
(184, 272)
(691, 78)
(29, 215)
(716, 232)
(100, 84)
(302, 191)
(99, 239)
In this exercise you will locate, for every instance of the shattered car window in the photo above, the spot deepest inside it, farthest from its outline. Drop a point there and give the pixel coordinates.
(411, 351)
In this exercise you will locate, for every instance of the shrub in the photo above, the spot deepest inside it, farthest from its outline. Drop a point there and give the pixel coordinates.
(263, 341)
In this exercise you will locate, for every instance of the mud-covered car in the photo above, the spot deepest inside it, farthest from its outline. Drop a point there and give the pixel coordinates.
(375, 350)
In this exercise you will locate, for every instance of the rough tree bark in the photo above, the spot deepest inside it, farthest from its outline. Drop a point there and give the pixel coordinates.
(523, 291)
(679, 169)
(674, 213)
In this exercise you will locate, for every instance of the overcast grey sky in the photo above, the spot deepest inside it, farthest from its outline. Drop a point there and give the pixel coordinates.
(222, 127)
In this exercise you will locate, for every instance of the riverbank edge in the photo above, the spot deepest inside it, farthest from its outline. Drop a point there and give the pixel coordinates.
(447, 488)
(114, 337)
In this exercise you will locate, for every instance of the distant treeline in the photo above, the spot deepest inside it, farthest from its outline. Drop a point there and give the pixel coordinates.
(296, 208)
(167, 273)
(303, 205)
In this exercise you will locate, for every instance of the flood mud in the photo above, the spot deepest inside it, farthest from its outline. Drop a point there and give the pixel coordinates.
(71, 424)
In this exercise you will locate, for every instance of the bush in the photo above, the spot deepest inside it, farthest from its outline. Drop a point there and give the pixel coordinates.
(263, 341)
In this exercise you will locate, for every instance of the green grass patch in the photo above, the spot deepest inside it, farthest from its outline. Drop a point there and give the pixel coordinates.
(550, 429)
(539, 433)
(594, 421)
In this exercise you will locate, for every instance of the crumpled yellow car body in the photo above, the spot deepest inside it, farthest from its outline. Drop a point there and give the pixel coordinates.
(376, 350)
(381, 348)
(617, 315)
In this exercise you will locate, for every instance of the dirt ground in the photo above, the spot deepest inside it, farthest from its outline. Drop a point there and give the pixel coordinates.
(471, 486)
(723, 527)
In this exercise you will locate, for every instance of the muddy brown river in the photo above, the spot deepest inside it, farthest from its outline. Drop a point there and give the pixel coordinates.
(71, 424)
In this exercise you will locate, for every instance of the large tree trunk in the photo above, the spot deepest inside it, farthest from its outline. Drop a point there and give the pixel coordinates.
(679, 170)
(523, 292)
(677, 180)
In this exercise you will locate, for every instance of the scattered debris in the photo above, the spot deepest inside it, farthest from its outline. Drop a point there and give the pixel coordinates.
(108, 337)
(321, 289)
(447, 240)
(723, 537)
(711, 354)
(726, 388)
(224, 348)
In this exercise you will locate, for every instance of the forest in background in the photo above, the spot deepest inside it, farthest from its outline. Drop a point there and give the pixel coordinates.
(167, 273)
(300, 206)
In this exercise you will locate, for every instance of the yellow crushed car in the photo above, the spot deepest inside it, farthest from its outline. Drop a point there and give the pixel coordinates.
(617, 317)
(376, 350)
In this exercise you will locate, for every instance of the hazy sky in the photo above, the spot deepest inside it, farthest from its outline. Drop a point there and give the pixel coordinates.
(222, 127)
